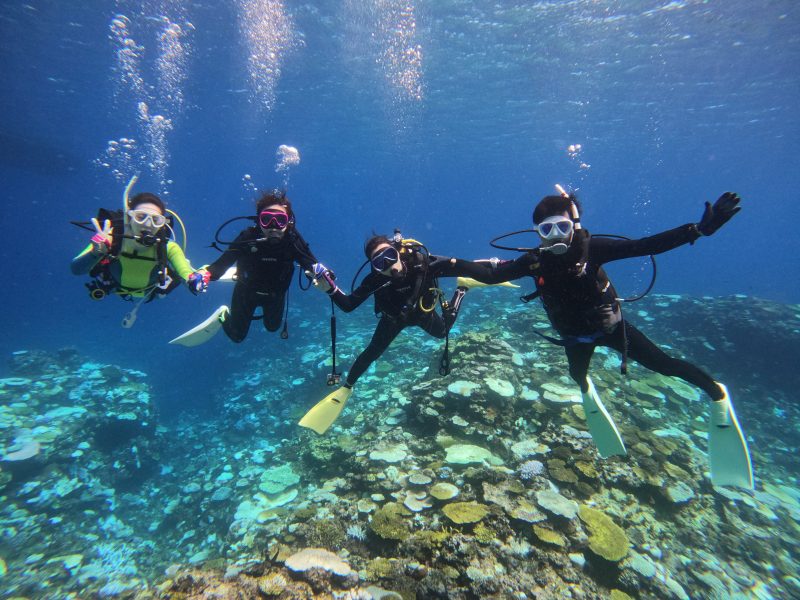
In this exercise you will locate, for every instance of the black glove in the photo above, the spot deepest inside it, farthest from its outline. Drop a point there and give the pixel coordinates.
(720, 213)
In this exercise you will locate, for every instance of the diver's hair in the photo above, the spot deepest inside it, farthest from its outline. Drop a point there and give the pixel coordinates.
(147, 198)
(274, 198)
(374, 242)
(549, 206)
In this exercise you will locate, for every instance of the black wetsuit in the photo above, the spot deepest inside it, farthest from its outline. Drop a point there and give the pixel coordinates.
(264, 270)
(397, 301)
(582, 304)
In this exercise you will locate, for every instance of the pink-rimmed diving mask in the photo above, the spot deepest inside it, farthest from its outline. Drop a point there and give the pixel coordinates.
(273, 219)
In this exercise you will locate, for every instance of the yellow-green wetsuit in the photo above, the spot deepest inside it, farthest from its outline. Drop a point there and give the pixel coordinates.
(134, 270)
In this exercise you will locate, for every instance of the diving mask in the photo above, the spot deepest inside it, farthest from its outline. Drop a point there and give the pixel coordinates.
(273, 219)
(556, 233)
(385, 259)
(141, 217)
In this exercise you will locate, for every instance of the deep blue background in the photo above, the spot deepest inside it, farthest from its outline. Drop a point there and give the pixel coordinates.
(673, 104)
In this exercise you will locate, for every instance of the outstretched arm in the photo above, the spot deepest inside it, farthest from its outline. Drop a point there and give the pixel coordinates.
(230, 256)
(323, 279)
(178, 261)
(349, 302)
(486, 271)
(715, 216)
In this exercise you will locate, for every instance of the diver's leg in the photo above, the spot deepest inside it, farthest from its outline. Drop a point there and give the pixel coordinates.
(327, 410)
(385, 333)
(601, 425)
(729, 456)
(273, 308)
(579, 356)
(432, 323)
(237, 322)
(650, 356)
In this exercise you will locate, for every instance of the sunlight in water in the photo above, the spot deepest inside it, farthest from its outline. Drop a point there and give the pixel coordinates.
(386, 30)
(156, 128)
(129, 56)
(171, 65)
(288, 156)
(401, 56)
(161, 92)
(267, 33)
(120, 157)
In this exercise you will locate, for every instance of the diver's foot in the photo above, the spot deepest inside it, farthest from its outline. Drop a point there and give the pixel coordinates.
(721, 409)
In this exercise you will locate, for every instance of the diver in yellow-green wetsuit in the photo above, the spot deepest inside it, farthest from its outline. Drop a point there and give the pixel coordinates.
(132, 256)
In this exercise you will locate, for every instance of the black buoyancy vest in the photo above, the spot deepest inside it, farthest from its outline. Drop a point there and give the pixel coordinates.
(400, 299)
(266, 266)
(578, 304)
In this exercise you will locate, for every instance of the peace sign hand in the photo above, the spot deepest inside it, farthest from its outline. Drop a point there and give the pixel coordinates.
(103, 237)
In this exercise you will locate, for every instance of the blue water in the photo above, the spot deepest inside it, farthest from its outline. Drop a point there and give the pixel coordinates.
(672, 104)
(448, 119)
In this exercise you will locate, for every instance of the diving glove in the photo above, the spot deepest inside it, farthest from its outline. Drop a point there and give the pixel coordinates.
(720, 213)
(198, 282)
(322, 278)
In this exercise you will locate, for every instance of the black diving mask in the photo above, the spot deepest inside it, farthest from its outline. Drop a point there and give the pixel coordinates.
(385, 259)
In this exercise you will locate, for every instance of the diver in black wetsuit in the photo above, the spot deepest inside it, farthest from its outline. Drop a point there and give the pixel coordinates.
(583, 307)
(264, 255)
(404, 283)
(405, 290)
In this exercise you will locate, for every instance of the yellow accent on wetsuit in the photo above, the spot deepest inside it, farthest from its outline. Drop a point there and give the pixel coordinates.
(135, 267)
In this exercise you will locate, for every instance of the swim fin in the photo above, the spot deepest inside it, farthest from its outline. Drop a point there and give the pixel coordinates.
(469, 282)
(727, 448)
(204, 331)
(326, 411)
(604, 432)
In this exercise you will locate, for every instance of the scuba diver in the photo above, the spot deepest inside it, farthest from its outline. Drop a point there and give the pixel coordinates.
(264, 255)
(583, 307)
(132, 255)
(403, 279)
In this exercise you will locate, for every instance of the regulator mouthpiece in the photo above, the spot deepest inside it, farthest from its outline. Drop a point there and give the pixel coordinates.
(557, 249)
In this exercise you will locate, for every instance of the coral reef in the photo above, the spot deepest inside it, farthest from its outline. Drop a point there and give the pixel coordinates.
(481, 484)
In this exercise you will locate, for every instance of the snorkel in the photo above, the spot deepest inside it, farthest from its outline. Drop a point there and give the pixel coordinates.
(126, 194)
(144, 238)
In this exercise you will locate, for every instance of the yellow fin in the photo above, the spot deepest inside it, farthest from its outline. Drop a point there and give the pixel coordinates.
(469, 282)
(326, 411)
